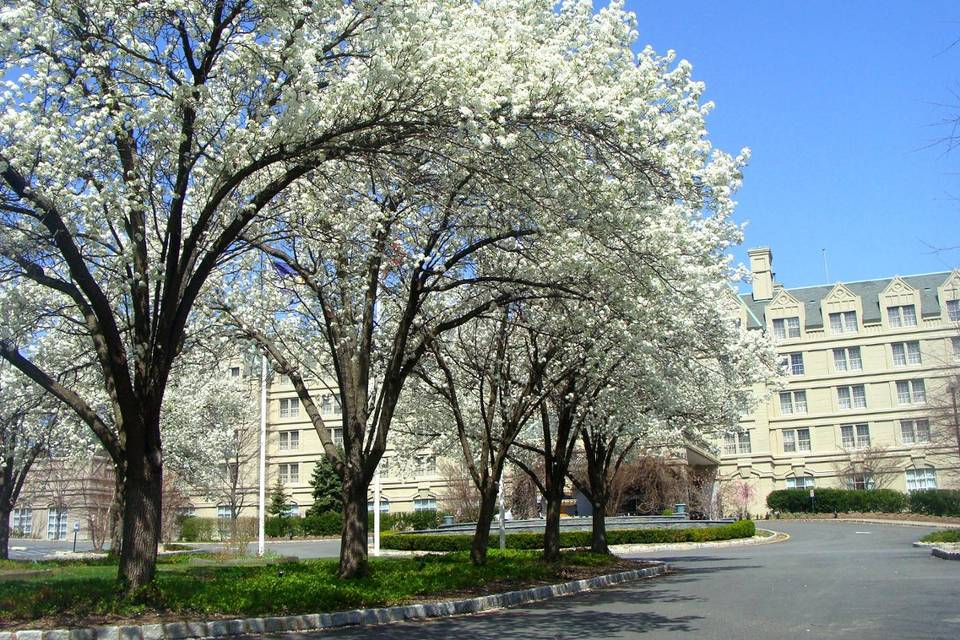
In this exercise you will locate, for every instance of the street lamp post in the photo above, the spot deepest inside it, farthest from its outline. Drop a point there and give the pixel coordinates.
(76, 530)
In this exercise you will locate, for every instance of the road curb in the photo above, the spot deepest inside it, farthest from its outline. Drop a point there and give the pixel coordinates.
(945, 554)
(631, 549)
(896, 523)
(320, 621)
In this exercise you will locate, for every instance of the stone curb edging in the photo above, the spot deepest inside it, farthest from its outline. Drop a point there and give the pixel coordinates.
(896, 523)
(778, 536)
(945, 554)
(319, 621)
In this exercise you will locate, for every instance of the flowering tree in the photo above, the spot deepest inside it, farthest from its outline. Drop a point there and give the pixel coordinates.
(139, 141)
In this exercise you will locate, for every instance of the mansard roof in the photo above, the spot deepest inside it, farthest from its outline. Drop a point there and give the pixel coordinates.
(867, 290)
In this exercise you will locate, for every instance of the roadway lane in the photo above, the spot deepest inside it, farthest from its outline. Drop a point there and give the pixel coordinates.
(831, 580)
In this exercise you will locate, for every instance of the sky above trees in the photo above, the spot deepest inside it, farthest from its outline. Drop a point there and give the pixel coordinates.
(841, 104)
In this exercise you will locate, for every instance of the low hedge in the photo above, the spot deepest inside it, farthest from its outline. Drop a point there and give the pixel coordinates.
(837, 500)
(952, 535)
(936, 502)
(570, 539)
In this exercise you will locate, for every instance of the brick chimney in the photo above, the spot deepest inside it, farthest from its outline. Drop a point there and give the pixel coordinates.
(761, 269)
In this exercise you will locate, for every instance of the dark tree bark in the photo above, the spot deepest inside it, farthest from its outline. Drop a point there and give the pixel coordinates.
(481, 535)
(4, 532)
(353, 540)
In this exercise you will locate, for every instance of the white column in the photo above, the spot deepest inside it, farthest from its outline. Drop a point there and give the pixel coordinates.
(376, 511)
(261, 514)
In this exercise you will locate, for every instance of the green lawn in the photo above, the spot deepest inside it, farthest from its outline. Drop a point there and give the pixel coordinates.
(950, 535)
(73, 593)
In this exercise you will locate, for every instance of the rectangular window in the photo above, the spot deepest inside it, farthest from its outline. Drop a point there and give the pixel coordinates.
(855, 436)
(289, 440)
(426, 465)
(915, 431)
(847, 359)
(336, 434)
(56, 524)
(796, 440)
(843, 322)
(803, 482)
(734, 443)
(852, 397)
(784, 328)
(331, 403)
(911, 392)
(860, 481)
(953, 310)
(224, 512)
(23, 521)
(905, 353)
(289, 407)
(425, 504)
(234, 372)
(793, 402)
(902, 316)
(793, 363)
(918, 479)
(955, 342)
(289, 473)
(384, 467)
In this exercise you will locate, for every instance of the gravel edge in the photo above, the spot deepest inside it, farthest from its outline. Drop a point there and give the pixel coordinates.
(318, 621)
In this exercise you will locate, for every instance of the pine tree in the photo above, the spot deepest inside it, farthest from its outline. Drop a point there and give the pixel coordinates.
(279, 506)
(326, 489)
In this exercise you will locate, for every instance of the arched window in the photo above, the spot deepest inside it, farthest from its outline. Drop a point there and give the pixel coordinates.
(800, 482)
(922, 478)
(293, 510)
(384, 505)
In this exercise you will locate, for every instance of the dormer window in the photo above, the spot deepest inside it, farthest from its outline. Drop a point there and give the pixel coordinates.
(843, 322)
(784, 328)
(902, 316)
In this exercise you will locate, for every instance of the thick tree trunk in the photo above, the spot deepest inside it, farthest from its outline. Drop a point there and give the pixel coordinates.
(551, 532)
(353, 538)
(4, 533)
(141, 523)
(481, 536)
(116, 515)
(598, 539)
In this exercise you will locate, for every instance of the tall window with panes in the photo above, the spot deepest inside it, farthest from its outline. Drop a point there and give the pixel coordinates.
(915, 431)
(953, 310)
(793, 402)
(289, 440)
(860, 481)
(289, 407)
(289, 473)
(911, 392)
(955, 344)
(906, 353)
(847, 359)
(795, 440)
(843, 322)
(792, 364)
(852, 397)
(920, 479)
(902, 316)
(855, 436)
(734, 443)
(23, 521)
(784, 328)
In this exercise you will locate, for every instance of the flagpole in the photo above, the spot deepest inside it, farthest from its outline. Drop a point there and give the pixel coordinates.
(376, 511)
(261, 512)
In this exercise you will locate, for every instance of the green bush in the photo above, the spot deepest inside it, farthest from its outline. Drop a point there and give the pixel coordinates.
(837, 500)
(936, 502)
(667, 512)
(570, 539)
(952, 535)
(328, 523)
(282, 526)
(193, 529)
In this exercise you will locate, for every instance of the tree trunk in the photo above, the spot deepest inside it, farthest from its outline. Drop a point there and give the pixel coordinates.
(353, 538)
(141, 521)
(598, 540)
(481, 536)
(551, 532)
(4, 533)
(116, 515)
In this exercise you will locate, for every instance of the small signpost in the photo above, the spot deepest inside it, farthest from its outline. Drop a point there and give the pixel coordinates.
(76, 530)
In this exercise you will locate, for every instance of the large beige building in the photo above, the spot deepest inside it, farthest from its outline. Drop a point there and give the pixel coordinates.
(864, 362)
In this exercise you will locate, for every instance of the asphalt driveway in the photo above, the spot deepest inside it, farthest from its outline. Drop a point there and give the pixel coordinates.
(831, 580)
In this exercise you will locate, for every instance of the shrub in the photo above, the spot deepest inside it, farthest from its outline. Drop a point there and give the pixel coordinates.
(936, 502)
(953, 535)
(839, 500)
(328, 523)
(570, 539)
(667, 512)
(282, 526)
(193, 529)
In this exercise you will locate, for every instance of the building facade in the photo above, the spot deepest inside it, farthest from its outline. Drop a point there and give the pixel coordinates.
(864, 363)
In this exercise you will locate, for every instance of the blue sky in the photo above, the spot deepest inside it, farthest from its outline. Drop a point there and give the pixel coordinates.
(840, 103)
